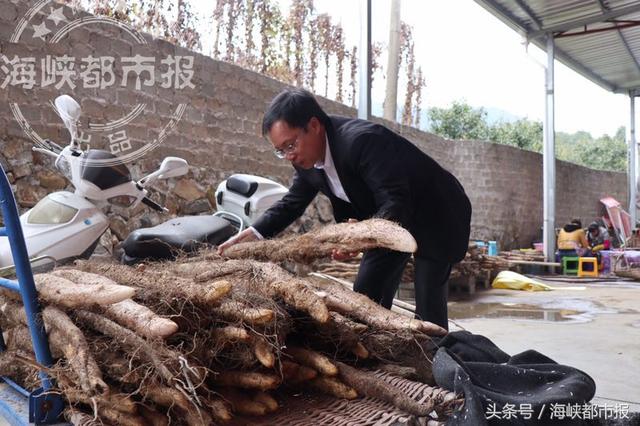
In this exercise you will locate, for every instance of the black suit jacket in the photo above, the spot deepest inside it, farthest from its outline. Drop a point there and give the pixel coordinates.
(384, 175)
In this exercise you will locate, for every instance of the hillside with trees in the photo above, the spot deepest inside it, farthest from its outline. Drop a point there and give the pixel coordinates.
(462, 121)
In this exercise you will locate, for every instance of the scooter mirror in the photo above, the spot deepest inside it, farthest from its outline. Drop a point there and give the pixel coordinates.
(70, 112)
(172, 167)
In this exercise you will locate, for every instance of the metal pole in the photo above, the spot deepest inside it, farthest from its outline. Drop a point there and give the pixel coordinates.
(549, 159)
(364, 98)
(633, 161)
(393, 64)
(26, 285)
(44, 406)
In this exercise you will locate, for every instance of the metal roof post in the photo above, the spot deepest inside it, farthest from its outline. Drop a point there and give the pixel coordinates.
(633, 159)
(549, 159)
(364, 99)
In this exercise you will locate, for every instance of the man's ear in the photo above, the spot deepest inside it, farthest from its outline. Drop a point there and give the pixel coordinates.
(314, 124)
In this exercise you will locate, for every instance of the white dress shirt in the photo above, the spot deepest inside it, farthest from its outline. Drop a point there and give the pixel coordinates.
(332, 174)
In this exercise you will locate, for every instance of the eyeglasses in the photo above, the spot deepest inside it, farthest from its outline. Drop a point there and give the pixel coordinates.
(283, 152)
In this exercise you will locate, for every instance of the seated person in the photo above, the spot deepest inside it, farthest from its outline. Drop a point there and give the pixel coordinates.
(572, 241)
(598, 239)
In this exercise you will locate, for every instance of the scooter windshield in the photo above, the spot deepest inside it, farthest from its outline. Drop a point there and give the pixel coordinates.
(104, 177)
(50, 212)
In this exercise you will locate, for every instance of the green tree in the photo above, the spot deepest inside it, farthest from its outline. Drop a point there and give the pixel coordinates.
(523, 133)
(606, 153)
(603, 153)
(568, 145)
(460, 121)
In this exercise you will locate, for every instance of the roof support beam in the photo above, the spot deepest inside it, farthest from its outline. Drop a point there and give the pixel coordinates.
(633, 159)
(530, 13)
(605, 8)
(616, 26)
(612, 14)
(500, 11)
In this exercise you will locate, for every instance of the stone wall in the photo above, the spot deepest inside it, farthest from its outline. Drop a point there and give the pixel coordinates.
(219, 134)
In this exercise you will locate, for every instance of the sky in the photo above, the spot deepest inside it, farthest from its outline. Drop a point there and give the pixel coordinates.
(468, 54)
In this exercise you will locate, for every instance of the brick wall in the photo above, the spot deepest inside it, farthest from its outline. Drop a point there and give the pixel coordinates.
(219, 135)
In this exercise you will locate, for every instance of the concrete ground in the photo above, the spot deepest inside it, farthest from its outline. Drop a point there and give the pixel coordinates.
(593, 326)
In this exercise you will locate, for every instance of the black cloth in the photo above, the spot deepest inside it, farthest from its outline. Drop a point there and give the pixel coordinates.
(490, 379)
(384, 175)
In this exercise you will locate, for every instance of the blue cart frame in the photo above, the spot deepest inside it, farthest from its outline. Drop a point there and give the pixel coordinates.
(17, 405)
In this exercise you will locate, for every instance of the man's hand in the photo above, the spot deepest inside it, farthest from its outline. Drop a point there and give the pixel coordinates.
(243, 237)
(342, 255)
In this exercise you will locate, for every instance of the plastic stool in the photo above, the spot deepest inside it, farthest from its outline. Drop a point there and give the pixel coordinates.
(570, 265)
(593, 272)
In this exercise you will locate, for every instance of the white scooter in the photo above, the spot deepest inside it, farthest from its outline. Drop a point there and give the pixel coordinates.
(240, 199)
(65, 225)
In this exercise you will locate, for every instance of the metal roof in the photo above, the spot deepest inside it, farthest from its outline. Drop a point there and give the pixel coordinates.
(599, 39)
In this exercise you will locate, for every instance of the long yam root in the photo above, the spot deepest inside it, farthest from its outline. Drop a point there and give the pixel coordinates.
(133, 315)
(344, 334)
(368, 384)
(360, 351)
(320, 243)
(294, 373)
(170, 397)
(334, 387)
(238, 311)
(205, 271)
(267, 400)
(67, 339)
(242, 404)
(151, 280)
(359, 306)
(247, 380)
(78, 418)
(230, 334)
(141, 319)
(111, 402)
(294, 291)
(63, 292)
(263, 352)
(273, 281)
(80, 360)
(219, 409)
(313, 359)
(116, 417)
(129, 339)
(10, 362)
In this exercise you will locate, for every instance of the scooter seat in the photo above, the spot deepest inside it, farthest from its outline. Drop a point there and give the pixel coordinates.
(182, 234)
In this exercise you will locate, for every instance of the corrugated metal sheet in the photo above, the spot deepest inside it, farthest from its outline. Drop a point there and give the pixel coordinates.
(609, 58)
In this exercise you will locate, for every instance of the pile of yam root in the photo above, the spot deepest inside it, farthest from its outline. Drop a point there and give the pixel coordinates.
(204, 339)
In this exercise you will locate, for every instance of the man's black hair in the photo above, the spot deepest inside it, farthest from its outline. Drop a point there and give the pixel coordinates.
(593, 226)
(577, 222)
(296, 107)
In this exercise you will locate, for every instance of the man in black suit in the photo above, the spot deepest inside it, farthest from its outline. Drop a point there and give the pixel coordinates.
(367, 171)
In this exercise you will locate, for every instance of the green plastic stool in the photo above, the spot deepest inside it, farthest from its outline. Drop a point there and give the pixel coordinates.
(570, 260)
